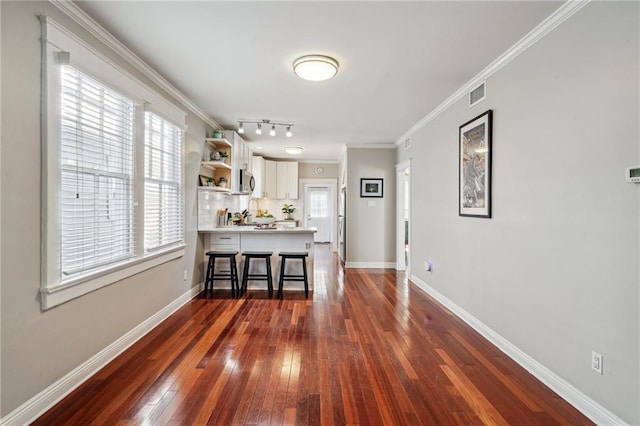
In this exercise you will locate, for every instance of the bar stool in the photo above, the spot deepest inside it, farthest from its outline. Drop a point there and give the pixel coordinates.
(246, 277)
(233, 270)
(302, 255)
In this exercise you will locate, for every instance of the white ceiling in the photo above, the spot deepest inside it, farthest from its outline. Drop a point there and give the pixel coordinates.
(398, 60)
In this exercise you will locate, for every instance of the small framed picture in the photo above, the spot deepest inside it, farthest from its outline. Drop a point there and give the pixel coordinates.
(203, 180)
(371, 188)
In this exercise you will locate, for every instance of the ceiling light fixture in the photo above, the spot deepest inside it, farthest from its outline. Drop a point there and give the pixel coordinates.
(315, 67)
(295, 150)
(259, 124)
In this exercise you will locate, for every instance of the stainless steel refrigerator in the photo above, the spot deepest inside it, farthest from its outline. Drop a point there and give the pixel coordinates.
(342, 223)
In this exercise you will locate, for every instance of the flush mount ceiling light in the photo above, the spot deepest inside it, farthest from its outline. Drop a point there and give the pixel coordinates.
(315, 67)
(295, 150)
(259, 124)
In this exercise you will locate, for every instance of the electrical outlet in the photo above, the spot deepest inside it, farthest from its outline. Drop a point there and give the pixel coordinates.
(596, 362)
(184, 276)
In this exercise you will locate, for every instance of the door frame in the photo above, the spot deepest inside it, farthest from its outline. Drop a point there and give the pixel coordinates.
(332, 184)
(400, 196)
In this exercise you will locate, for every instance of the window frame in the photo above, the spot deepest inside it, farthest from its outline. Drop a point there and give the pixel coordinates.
(61, 47)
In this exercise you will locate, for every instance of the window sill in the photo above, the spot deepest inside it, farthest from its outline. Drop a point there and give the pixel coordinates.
(57, 295)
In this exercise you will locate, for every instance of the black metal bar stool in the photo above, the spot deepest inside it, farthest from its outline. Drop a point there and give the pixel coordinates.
(246, 277)
(302, 255)
(233, 270)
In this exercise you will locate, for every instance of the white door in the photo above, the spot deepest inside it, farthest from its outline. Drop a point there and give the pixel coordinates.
(318, 206)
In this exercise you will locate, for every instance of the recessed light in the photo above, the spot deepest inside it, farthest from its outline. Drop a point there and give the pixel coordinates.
(295, 150)
(315, 67)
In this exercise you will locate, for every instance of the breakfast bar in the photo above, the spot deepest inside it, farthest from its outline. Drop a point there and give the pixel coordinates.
(276, 240)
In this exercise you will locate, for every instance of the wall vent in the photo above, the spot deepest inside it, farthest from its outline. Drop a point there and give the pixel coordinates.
(477, 94)
(407, 143)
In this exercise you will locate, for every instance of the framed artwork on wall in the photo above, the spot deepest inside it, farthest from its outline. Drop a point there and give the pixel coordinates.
(371, 188)
(474, 166)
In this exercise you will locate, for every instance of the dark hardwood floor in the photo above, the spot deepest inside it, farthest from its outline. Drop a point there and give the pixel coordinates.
(366, 348)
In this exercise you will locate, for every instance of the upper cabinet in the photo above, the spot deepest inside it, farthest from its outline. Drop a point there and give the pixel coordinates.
(275, 179)
(270, 177)
(287, 180)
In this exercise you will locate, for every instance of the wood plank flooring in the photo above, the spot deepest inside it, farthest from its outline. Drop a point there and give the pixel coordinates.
(366, 348)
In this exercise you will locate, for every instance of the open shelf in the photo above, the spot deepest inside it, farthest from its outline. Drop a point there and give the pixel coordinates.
(213, 165)
(218, 142)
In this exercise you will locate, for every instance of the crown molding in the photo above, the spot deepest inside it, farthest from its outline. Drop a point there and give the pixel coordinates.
(563, 13)
(372, 146)
(69, 8)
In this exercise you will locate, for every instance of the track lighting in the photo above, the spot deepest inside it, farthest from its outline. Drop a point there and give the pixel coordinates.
(259, 124)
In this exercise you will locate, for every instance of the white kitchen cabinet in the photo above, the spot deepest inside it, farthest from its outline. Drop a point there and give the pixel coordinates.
(287, 180)
(217, 241)
(270, 178)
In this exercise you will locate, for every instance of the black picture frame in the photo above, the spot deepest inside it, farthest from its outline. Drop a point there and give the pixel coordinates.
(371, 188)
(474, 166)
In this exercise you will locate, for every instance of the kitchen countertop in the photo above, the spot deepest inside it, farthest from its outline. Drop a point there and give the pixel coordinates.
(253, 230)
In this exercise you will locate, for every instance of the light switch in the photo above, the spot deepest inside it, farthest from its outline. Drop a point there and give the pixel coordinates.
(371, 203)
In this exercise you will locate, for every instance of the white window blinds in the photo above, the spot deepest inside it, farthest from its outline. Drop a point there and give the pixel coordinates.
(163, 191)
(96, 197)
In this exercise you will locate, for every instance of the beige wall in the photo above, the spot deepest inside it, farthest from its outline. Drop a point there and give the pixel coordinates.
(38, 347)
(371, 228)
(555, 270)
(309, 171)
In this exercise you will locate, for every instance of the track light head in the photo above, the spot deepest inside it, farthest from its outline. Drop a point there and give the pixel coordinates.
(241, 128)
(272, 132)
(259, 129)
(289, 134)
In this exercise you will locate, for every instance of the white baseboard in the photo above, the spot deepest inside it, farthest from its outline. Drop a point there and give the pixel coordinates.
(370, 265)
(40, 403)
(587, 406)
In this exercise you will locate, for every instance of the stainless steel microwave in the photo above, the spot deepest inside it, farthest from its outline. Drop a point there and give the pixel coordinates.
(246, 182)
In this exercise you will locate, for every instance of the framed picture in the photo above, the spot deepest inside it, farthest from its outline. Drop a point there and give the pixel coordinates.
(371, 188)
(203, 180)
(474, 167)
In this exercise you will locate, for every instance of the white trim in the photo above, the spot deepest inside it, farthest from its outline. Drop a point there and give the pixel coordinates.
(89, 24)
(370, 265)
(56, 295)
(372, 146)
(587, 406)
(401, 265)
(40, 403)
(332, 184)
(556, 18)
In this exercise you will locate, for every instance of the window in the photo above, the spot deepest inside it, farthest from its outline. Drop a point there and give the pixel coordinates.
(112, 175)
(318, 202)
(96, 202)
(163, 223)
